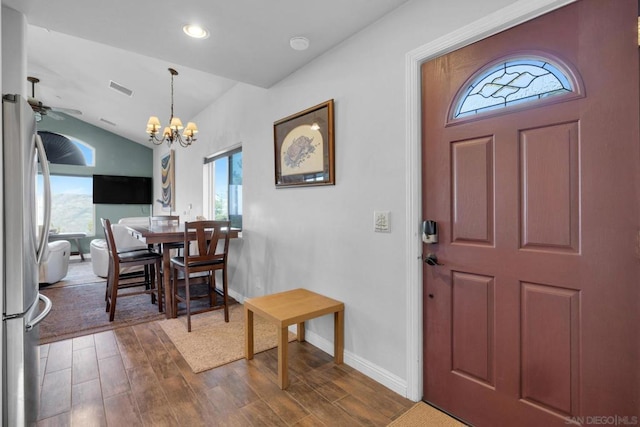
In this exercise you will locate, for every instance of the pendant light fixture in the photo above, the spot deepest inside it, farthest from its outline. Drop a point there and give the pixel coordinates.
(171, 133)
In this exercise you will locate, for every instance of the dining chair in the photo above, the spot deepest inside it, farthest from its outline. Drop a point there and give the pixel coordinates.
(119, 259)
(206, 246)
(166, 220)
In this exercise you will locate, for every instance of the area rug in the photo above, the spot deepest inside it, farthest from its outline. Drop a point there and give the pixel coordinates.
(80, 310)
(213, 342)
(422, 414)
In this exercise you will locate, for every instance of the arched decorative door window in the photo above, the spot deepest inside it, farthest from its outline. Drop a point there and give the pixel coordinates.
(512, 82)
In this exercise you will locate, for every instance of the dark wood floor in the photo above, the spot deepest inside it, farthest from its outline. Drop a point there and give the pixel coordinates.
(134, 376)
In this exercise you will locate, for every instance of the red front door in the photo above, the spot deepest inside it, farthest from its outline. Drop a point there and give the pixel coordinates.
(533, 316)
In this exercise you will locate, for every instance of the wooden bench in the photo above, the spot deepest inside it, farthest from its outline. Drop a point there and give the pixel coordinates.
(288, 308)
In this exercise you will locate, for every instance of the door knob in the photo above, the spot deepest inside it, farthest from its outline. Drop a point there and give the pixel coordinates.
(432, 259)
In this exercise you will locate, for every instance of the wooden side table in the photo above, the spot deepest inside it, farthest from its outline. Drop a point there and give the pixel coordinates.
(288, 308)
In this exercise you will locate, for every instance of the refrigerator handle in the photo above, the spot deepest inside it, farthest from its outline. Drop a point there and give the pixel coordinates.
(44, 164)
(45, 312)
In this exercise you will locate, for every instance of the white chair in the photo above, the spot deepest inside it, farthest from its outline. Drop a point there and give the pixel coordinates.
(99, 257)
(55, 262)
(123, 239)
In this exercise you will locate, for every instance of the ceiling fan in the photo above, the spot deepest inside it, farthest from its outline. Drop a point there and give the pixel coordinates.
(44, 110)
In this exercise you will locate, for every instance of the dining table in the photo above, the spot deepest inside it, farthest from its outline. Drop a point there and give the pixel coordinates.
(165, 235)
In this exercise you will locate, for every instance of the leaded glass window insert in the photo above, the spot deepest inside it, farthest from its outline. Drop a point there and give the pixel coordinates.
(510, 83)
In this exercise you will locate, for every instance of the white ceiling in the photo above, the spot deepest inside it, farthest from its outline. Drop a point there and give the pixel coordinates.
(76, 47)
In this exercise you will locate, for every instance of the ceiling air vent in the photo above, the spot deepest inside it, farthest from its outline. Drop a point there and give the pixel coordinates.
(116, 86)
(109, 122)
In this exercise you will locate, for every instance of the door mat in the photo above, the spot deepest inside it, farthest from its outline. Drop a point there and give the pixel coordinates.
(422, 414)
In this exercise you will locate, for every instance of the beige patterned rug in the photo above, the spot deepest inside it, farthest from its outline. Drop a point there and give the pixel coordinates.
(213, 342)
(422, 414)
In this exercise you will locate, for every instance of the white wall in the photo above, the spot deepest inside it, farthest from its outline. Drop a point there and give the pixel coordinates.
(14, 64)
(322, 238)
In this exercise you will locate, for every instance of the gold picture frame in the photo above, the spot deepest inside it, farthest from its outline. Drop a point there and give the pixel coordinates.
(168, 182)
(304, 148)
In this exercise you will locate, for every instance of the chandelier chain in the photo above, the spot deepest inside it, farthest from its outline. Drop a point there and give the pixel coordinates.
(171, 118)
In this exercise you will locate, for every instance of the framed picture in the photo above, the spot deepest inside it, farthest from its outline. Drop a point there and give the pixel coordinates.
(167, 180)
(304, 147)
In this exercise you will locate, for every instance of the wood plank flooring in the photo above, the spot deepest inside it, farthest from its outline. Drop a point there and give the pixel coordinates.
(135, 376)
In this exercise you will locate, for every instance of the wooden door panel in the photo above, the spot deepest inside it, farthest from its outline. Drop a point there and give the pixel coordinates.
(550, 347)
(472, 197)
(473, 327)
(549, 177)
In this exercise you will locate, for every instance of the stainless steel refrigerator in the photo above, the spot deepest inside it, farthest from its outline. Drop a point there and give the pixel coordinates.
(23, 242)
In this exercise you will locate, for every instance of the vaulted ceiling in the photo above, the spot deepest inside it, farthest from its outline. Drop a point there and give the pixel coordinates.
(76, 48)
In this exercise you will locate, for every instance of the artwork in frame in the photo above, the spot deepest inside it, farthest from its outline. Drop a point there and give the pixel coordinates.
(304, 147)
(167, 171)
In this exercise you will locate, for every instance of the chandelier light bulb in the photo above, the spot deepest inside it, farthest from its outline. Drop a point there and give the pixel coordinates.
(190, 130)
(176, 124)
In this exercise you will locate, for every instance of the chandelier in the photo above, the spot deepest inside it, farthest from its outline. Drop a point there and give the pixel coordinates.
(171, 133)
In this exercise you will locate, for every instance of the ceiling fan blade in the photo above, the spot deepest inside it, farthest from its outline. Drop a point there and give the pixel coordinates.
(67, 110)
(54, 115)
(44, 110)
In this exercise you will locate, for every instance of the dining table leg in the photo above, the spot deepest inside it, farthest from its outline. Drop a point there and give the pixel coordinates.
(166, 277)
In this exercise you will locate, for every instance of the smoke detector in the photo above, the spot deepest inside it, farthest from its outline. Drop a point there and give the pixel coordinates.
(299, 43)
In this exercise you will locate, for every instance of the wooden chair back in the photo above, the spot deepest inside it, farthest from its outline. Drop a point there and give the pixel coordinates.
(111, 244)
(210, 245)
(165, 219)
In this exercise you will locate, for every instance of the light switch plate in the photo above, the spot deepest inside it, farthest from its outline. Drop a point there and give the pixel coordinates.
(381, 222)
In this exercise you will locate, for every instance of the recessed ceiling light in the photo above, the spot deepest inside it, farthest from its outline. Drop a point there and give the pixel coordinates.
(299, 43)
(195, 31)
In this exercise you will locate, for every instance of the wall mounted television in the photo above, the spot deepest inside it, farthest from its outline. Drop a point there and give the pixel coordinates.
(122, 190)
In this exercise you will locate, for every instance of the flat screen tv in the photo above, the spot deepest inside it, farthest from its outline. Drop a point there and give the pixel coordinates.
(122, 190)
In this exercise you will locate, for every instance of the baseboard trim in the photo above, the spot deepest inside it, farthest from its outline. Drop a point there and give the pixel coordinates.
(236, 296)
(376, 373)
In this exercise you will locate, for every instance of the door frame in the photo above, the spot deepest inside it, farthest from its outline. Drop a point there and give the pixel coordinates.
(505, 18)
